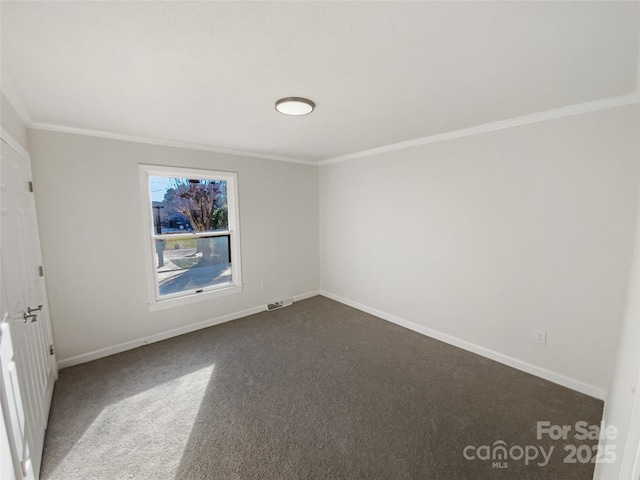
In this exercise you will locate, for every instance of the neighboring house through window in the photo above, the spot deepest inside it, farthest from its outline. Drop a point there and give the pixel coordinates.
(191, 223)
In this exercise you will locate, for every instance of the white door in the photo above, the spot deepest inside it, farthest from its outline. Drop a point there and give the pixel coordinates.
(28, 367)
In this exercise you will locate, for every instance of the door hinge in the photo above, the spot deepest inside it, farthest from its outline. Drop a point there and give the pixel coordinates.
(41, 271)
(51, 350)
(31, 187)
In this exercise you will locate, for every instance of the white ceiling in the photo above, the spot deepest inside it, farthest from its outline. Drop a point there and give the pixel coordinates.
(380, 72)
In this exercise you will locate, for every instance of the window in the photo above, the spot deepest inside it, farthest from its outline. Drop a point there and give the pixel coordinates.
(191, 227)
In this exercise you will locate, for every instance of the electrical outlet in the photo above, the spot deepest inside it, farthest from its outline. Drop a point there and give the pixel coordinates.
(541, 337)
(263, 286)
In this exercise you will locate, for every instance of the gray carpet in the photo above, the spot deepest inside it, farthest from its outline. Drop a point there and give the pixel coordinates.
(317, 390)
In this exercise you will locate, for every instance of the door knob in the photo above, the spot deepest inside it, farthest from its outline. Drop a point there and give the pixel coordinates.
(32, 316)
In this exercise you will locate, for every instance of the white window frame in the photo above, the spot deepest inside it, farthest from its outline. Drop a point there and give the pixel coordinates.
(156, 302)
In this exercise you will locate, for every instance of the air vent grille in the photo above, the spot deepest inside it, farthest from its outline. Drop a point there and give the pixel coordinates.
(285, 302)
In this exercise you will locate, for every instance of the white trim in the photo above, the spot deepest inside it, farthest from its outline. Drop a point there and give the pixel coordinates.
(603, 104)
(587, 107)
(554, 377)
(630, 461)
(181, 300)
(14, 99)
(163, 142)
(304, 296)
(157, 337)
(190, 234)
(105, 352)
(13, 143)
(207, 295)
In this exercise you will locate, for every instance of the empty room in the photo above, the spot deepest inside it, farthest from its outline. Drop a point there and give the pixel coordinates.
(320, 240)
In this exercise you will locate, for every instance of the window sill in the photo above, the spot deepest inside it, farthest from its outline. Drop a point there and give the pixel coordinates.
(194, 298)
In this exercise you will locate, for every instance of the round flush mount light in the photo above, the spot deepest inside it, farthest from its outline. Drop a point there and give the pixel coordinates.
(295, 106)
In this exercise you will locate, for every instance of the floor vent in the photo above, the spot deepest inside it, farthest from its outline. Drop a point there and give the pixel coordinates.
(280, 303)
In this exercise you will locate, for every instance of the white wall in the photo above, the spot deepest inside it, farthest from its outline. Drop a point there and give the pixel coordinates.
(488, 237)
(11, 122)
(90, 219)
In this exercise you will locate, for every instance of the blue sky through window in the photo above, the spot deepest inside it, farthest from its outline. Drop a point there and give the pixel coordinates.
(158, 186)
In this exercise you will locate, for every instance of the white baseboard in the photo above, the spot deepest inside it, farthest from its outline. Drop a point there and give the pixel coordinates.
(122, 347)
(304, 296)
(552, 376)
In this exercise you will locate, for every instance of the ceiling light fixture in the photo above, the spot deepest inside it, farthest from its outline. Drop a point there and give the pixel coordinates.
(295, 106)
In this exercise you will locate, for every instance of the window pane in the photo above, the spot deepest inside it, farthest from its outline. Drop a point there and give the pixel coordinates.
(188, 264)
(188, 205)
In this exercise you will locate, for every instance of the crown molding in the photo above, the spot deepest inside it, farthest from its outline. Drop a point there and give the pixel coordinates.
(568, 111)
(15, 101)
(163, 142)
(7, 138)
(6, 86)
